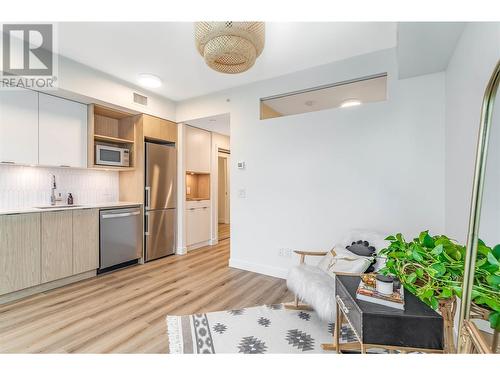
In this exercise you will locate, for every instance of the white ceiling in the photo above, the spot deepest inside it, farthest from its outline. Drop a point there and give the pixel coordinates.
(167, 50)
(218, 123)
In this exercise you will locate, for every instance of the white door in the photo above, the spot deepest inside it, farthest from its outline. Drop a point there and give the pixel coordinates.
(19, 126)
(63, 132)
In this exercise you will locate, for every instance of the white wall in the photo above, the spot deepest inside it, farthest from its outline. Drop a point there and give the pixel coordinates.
(468, 72)
(311, 177)
(26, 187)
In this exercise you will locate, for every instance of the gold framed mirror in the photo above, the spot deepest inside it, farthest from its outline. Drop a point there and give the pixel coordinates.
(471, 339)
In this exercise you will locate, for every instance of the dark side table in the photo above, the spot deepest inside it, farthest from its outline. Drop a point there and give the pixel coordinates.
(416, 329)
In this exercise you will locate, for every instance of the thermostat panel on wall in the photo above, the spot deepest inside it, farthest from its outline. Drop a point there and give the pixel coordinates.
(241, 165)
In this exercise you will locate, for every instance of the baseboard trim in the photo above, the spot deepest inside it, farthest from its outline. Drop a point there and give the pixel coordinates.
(46, 287)
(198, 245)
(259, 268)
(181, 251)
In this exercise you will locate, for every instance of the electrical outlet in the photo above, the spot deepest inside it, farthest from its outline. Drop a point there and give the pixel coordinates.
(285, 253)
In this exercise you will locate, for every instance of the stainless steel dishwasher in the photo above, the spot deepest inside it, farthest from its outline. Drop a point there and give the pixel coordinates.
(120, 237)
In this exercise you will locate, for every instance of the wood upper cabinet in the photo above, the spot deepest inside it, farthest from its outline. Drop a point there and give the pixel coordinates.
(198, 143)
(19, 126)
(158, 128)
(85, 240)
(62, 132)
(19, 252)
(57, 245)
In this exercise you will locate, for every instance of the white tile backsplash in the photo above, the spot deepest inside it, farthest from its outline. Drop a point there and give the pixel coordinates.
(24, 187)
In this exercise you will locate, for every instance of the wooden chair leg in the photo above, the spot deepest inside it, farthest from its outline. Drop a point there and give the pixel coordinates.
(447, 310)
(297, 305)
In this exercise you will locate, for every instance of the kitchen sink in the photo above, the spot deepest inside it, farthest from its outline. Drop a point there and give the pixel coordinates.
(59, 206)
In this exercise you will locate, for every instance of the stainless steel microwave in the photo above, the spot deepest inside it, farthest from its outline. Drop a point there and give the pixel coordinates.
(114, 156)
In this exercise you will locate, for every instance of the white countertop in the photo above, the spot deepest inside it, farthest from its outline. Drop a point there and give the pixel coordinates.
(66, 208)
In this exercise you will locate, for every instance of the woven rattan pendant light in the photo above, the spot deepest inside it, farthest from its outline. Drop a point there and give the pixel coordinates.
(230, 47)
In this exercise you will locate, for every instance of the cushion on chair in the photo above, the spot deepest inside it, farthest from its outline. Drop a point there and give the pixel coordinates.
(342, 260)
(374, 238)
(315, 287)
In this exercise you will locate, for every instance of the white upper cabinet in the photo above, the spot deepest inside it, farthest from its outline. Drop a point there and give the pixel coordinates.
(197, 150)
(19, 126)
(62, 132)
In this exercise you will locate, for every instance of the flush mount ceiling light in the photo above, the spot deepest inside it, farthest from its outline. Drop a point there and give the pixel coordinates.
(350, 103)
(149, 80)
(230, 47)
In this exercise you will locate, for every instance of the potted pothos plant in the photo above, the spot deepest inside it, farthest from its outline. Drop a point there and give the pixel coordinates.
(432, 268)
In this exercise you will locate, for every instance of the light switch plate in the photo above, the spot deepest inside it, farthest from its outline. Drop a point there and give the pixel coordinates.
(242, 193)
(241, 165)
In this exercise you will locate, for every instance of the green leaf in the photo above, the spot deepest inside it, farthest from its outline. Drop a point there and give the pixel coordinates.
(434, 303)
(410, 279)
(390, 238)
(419, 272)
(492, 260)
(446, 292)
(428, 241)
(494, 319)
(439, 268)
(416, 255)
(437, 250)
(428, 293)
(422, 235)
(494, 281)
(496, 251)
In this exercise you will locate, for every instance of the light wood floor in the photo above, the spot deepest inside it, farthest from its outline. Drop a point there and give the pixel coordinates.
(224, 232)
(125, 311)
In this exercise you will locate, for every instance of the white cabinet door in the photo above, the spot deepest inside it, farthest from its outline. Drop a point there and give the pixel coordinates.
(19, 126)
(197, 225)
(197, 150)
(63, 132)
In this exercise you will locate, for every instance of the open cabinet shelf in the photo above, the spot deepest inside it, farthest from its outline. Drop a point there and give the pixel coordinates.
(108, 139)
(113, 128)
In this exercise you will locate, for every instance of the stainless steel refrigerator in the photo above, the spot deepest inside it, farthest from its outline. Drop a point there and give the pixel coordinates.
(160, 198)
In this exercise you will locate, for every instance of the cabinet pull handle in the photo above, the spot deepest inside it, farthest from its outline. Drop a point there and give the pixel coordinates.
(64, 166)
(342, 305)
(126, 214)
(192, 209)
(8, 162)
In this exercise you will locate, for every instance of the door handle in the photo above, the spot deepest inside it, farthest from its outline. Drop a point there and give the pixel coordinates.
(126, 214)
(146, 224)
(148, 197)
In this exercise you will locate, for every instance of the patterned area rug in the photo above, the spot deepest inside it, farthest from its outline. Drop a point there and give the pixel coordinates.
(254, 330)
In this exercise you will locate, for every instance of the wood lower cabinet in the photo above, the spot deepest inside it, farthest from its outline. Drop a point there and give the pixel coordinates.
(198, 224)
(85, 240)
(38, 248)
(57, 245)
(19, 252)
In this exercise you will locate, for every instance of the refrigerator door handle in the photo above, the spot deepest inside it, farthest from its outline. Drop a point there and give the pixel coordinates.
(146, 224)
(148, 197)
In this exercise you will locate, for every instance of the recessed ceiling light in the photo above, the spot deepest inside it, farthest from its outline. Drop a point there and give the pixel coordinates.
(350, 103)
(149, 80)
(309, 103)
